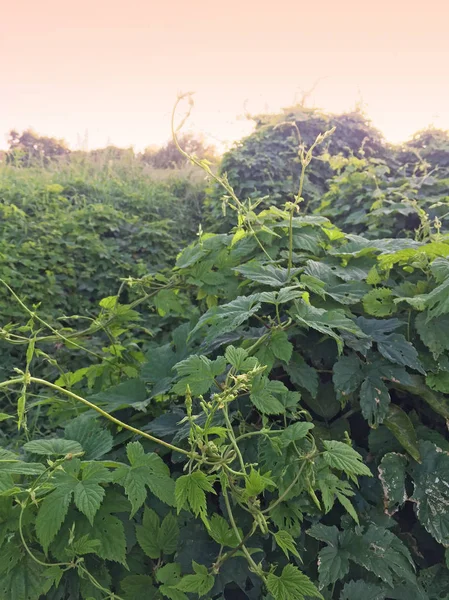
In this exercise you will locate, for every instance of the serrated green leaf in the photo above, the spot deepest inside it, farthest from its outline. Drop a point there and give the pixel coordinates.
(172, 593)
(92, 437)
(27, 580)
(333, 565)
(239, 359)
(169, 534)
(198, 372)
(285, 294)
(280, 346)
(438, 381)
(416, 386)
(87, 493)
(109, 531)
(339, 455)
(437, 300)
(378, 550)
(17, 467)
(169, 573)
(88, 498)
(200, 583)
(433, 332)
(348, 293)
(263, 396)
(286, 543)
(51, 515)
(325, 321)
(146, 471)
(267, 274)
(295, 432)
(148, 534)
(222, 533)
(227, 317)
(379, 302)
(136, 587)
(190, 490)
(291, 585)
(84, 545)
(347, 505)
(256, 483)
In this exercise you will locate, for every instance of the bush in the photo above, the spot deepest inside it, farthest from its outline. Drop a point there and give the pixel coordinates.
(357, 180)
(69, 235)
(266, 163)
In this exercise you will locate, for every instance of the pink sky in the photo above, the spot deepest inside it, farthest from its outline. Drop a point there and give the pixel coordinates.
(112, 69)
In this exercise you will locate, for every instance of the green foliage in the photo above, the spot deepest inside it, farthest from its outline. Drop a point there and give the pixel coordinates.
(69, 235)
(356, 179)
(283, 436)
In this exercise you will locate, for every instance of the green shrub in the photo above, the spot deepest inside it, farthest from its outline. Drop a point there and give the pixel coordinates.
(356, 179)
(266, 163)
(68, 235)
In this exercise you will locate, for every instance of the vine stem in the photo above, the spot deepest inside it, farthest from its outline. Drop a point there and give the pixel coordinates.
(260, 432)
(232, 438)
(248, 556)
(25, 545)
(99, 410)
(287, 491)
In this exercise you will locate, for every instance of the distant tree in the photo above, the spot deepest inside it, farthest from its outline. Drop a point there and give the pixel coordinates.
(29, 147)
(169, 157)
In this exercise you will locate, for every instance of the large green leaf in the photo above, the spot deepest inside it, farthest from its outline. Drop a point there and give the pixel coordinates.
(302, 375)
(392, 476)
(78, 481)
(201, 582)
(145, 471)
(403, 430)
(374, 400)
(95, 440)
(325, 321)
(394, 347)
(227, 317)
(341, 456)
(267, 274)
(156, 538)
(431, 491)
(291, 584)
(348, 375)
(265, 396)
(199, 373)
(55, 447)
(433, 332)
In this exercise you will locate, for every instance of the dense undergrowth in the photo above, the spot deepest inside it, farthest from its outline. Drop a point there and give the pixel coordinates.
(265, 420)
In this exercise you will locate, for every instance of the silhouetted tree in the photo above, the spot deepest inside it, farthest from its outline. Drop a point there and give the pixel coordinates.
(29, 147)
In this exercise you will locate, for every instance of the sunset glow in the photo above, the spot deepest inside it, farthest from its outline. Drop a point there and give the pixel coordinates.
(109, 72)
